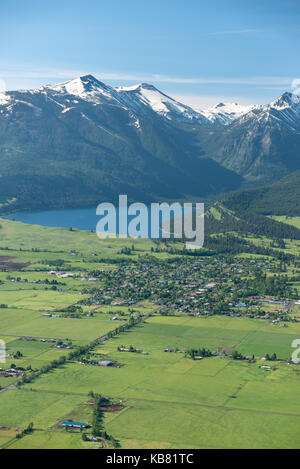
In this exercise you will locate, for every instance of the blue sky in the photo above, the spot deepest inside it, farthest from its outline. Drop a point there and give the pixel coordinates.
(198, 51)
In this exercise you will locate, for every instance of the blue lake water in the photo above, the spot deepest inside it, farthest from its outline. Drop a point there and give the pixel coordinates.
(82, 218)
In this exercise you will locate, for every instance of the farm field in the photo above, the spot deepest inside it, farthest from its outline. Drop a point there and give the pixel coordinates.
(34, 354)
(52, 439)
(201, 428)
(39, 300)
(214, 396)
(248, 335)
(160, 397)
(16, 236)
(44, 409)
(19, 322)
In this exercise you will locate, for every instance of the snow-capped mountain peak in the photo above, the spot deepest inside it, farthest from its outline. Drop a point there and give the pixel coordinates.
(287, 100)
(86, 87)
(284, 110)
(144, 95)
(144, 100)
(224, 113)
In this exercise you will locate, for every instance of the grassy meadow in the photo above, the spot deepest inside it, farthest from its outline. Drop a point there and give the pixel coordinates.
(168, 400)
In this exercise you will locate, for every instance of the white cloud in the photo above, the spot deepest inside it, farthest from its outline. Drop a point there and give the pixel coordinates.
(65, 74)
(256, 81)
(296, 86)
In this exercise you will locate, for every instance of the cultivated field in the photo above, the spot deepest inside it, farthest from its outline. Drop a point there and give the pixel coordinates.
(223, 403)
(160, 397)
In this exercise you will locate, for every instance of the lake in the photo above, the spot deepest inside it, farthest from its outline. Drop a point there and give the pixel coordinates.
(80, 218)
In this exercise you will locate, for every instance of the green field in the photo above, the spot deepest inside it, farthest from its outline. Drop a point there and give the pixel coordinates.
(168, 399)
(52, 440)
(39, 300)
(248, 335)
(20, 236)
(294, 221)
(177, 426)
(18, 408)
(208, 397)
(20, 322)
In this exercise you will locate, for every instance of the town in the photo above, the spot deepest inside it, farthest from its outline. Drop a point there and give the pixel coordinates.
(108, 335)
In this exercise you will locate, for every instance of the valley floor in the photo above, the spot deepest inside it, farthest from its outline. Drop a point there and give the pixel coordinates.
(168, 326)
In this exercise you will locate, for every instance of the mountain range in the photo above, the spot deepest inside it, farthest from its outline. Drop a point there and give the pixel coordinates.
(81, 142)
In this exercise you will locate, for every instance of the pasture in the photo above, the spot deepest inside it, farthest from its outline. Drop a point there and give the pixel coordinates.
(19, 407)
(20, 322)
(247, 335)
(172, 401)
(20, 236)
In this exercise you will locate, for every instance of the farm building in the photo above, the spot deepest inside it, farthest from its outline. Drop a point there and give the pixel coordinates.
(71, 423)
(106, 363)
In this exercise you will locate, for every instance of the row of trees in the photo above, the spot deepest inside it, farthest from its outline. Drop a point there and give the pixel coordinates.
(201, 352)
(29, 429)
(75, 354)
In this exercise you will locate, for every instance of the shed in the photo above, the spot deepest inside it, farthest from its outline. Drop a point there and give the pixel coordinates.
(106, 363)
(71, 423)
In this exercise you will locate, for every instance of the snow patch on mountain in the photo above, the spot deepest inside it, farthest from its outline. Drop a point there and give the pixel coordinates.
(144, 101)
(224, 113)
(4, 99)
(286, 101)
(67, 109)
(147, 96)
(86, 87)
(283, 110)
